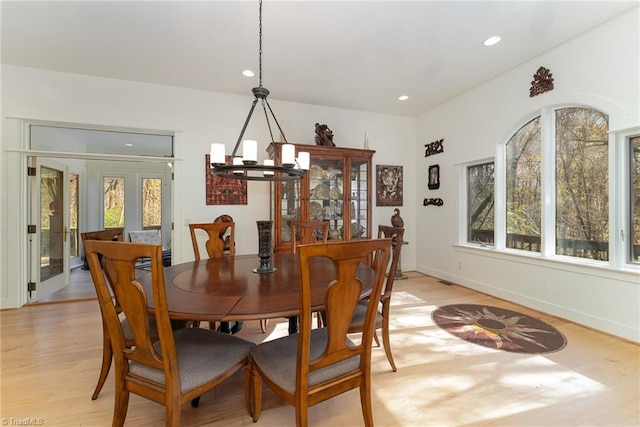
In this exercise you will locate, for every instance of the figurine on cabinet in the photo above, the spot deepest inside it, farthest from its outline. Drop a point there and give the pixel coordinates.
(324, 135)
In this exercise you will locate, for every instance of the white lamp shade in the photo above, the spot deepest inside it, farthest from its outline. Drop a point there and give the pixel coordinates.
(268, 162)
(217, 154)
(288, 154)
(249, 150)
(303, 160)
(237, 161)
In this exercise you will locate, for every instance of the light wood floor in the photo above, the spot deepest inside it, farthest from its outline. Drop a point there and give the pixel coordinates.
(51, 357)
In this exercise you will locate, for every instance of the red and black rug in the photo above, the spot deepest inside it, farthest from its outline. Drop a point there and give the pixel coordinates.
(499, 328)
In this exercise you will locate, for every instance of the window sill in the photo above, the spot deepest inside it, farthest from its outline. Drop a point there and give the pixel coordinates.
(629, 273)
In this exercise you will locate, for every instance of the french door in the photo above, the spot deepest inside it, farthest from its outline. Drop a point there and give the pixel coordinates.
(50, 227)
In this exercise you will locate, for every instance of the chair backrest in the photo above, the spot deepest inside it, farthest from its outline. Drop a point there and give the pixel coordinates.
(396, 235)
(119, 259)
(109, 234)
(226, 235)
(306, 232)
(343, 294)
(214, 244)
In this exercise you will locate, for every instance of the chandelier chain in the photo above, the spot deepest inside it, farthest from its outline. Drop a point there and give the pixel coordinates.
(260, 45)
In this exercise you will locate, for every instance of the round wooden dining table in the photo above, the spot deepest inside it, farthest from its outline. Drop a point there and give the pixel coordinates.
(227, 289)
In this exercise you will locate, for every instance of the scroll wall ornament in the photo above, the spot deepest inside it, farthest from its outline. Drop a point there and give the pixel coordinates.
(434, 148)
(542, 82)
(435, 202)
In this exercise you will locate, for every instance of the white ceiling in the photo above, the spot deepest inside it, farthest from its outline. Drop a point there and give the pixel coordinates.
(357, 55)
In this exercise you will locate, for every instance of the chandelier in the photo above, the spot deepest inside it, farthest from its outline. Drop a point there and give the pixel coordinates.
(246, 167)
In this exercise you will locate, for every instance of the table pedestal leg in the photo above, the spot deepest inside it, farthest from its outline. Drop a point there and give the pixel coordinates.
(293, 325)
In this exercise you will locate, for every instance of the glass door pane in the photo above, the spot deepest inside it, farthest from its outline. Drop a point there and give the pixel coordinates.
(359, 198)
(51, 223)
(74, 191)
(326, 188)
(113, 202)
(152, 203)
(289, 207)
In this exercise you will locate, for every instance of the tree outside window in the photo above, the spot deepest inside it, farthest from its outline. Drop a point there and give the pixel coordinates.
(480, 185)
(524, 188)
(113, 202)
(634, 175)
(582, 183)
(151, 203)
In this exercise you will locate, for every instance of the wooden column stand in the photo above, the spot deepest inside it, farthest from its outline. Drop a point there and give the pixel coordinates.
(397, 221)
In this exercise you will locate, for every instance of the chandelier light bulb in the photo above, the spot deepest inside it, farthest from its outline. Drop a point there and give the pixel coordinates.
(288, 155)
(250, 152)
(217, 156)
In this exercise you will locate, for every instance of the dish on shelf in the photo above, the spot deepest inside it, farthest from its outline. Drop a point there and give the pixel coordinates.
(335, 193)
(321, 192)
(315, 210)
(331, 172)
(357, 230)
(335, 234)
(316, 172)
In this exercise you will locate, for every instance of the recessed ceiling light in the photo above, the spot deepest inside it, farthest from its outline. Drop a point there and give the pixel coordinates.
(128, 144)
(248, 73)
(403, 97)
(492, 40)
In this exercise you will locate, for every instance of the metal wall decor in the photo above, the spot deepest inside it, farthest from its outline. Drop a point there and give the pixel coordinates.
(223, 191)
(388, 185)
(435, 202)
(542, 82)
(434, 148)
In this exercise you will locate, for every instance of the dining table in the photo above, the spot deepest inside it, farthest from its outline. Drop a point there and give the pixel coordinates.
(227, 289)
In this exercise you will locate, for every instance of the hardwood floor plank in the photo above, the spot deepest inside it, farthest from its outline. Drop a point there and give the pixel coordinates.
(50, 359)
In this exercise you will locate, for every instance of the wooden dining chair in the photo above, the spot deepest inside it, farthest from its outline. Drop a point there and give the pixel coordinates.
(305, 232)
(226, 235)
(214, 245)
(115, 234)
(382, 315)
(317, 364)
(217, 245)
(179, 367)
(109, 234)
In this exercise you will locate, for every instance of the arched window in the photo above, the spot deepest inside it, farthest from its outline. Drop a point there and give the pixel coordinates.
(580, 143)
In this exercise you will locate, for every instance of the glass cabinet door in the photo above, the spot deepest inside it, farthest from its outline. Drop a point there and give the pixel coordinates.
(326, 194)
(359, 200)
(289, 206)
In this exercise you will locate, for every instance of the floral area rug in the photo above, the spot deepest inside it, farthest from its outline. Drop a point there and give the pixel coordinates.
(499, 328)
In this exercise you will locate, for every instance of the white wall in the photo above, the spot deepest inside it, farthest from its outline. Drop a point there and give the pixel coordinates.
(599, 69)
(198, 118)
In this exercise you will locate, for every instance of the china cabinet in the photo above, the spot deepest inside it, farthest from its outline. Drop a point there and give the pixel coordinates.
(337, 189)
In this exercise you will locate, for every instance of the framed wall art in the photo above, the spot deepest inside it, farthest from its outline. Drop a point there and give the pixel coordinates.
(434, 177)
(223, 191)
(388, 185)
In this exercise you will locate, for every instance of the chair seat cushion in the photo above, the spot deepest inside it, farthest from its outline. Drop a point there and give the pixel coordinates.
(203, 355)
(145, 236)
(277, 360)
(358, 315)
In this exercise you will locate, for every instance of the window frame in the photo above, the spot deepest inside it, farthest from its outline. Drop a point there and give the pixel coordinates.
(619, 200)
